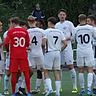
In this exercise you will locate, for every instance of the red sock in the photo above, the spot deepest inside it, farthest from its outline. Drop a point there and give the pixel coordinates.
(27, 80)
(13, 81)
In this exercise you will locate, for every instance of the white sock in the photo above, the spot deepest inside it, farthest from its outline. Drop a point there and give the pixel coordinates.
(74, 78)
(6, 82)
(18, 84)
(81, 80)
(94, 80)
(23, 84)
(16, 89)
(20, 81)
(89, 80)
(38, 83)
(48, 83)
(58, 86)
(45, 86)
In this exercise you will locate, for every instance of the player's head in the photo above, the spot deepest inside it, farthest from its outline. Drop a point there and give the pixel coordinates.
(51, 22)
(24, 24)
(14, 21)
(31, 20)
(62, 13)
(91, 20)
(82, 18)
(40, 23)
(1, 27)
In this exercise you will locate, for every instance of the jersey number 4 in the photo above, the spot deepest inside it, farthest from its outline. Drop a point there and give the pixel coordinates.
(34, 40)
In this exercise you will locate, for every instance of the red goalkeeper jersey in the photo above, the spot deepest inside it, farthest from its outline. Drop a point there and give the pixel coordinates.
(18, 39)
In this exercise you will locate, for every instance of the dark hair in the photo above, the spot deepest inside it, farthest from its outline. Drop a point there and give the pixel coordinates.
(23, 23)
(53, 20)
(82, 17)
(92, 17)
(15, 20)
(62, 10)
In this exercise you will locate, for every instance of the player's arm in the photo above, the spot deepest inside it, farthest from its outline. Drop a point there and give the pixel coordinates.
(45, 42)
(64, 42)
(71, 28)
(44, 45)
(64, 45)
(7, 40)
(94, 33)
(27, 40)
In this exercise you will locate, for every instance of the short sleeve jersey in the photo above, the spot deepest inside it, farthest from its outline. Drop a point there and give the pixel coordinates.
(84, 35)
(66, 27)
(36, 36)
(18, 39)
(5, 35)
(54, 37)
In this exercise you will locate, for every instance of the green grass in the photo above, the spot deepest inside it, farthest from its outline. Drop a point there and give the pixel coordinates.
(66, 85)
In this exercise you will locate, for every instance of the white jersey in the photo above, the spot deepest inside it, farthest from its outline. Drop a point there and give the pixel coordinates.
(5, 35)
(84, 35)
(94, 40)
(54, 37)
(1, 51)
(36, 35)
(67, 28)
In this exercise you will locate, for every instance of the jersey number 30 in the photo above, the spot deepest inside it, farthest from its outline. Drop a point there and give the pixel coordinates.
(19, 42)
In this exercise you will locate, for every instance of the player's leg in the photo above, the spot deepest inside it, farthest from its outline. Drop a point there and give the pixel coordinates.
(89, 80)
(80, 64)
(27, 80)
(94, 81)
(57, 81)
(19, 80)
(24, 67)
(22, 88)
(38, 80)
(81, 80)
(48, 63)
(89, 63)
(7, 75)
(39, 64)
(94, 72)
(69, 62)
(13, 82)
(6, 82)
(56, 67)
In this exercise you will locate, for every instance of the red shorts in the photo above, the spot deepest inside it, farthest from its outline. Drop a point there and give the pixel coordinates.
(18, 64)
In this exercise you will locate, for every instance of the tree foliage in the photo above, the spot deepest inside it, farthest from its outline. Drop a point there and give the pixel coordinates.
(23, 8)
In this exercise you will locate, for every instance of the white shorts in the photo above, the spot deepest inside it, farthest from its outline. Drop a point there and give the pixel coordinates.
(36, 62)
(67, 56)
(1, 66)
(85, 61)
(52, 60)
